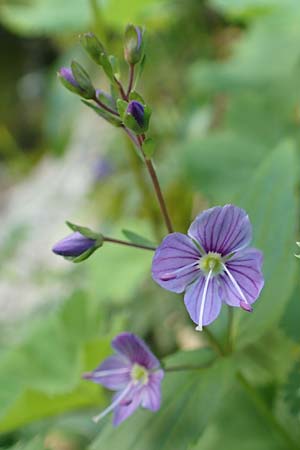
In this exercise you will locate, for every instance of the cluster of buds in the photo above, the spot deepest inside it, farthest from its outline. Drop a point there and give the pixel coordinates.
(121, 107)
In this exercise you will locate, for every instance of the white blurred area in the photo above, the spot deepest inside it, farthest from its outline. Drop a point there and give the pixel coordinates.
(33, 215)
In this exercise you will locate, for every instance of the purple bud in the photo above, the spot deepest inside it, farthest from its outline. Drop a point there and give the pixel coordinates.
(73, 245)
(136, 109)
(66, 73)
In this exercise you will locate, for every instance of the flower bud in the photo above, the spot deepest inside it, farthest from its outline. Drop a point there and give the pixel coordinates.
(137, 117)
(133, 47)
(83, 80)
(92, 46)
(73, 245)
(66, 77)
(79, 245)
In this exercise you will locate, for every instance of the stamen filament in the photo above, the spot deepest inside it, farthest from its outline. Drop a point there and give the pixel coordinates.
(200, 326)
(172, 275)
(235, 284)
(113, 405)
(105, 373)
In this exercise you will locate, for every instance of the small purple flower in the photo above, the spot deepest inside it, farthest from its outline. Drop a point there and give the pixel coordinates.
(211, 264)
(134, 372)
(74, 245)
(136, 109)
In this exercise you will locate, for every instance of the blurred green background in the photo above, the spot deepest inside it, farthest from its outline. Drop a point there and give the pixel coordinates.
(223, 79)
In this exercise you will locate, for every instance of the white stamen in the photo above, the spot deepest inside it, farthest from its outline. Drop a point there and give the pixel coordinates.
(172, 275)
(235, 284)
(113, 405)
(199, 327)
(105, 373)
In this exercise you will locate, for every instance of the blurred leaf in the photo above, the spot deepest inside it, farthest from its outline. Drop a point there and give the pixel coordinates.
(136, 238)
(271, 203)
(221, 162)
(44, 371)
(190, 400)
(247, 67)
(40, 17)
(290, 320)
(239, 426)
(249, 8)
(117, 271)
(292, 390)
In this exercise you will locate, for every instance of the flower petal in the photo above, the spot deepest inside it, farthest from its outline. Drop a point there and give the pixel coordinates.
(127, 406)
(175, 263)
(222, 229)
(113, 373)
(151, 395)
(194, 296)
(133, 348)
(245, 267)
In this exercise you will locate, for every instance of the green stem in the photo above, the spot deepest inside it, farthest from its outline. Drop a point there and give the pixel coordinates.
(137, 170)
(266, 412)
(129, 244)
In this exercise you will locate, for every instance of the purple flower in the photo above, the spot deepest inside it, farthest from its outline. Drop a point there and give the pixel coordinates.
(134, 372)
(211, 264)
(136, 109)
(74, 245)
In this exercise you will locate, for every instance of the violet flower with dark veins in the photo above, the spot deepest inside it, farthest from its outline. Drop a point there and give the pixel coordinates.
(134, 372)
(211, 264)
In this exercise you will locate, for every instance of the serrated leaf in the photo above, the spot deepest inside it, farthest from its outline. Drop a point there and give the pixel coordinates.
(270, 201)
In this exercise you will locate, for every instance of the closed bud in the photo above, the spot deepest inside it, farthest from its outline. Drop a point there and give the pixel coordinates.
(83, 80)
(137, 117)
(66, 77)
(92, 46)
(78, 245)
(133, 46)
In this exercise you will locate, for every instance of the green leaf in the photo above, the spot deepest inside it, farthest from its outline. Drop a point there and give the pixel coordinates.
(292, 390)
(189, 401)
(44, 371)
(112, 119)
(240, 426)
(221, 162)
(270, 202)
(137, 239)
(122, 107)
(135, 96)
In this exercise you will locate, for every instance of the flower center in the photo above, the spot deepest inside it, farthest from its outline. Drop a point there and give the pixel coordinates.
(139, 374)
(211, 262)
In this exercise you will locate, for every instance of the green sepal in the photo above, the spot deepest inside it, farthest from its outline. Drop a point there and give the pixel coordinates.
(112, 119)
(83, 79)
(84, 255)
(122, 107)
(107, 67)
(130, 122)
(133, 50)
(106, 99)
(75, 89)
(85, 231)
(137, 239)
(140, 70)
(149, 147)
(92, 46)
(114, 62)
(135, 96)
